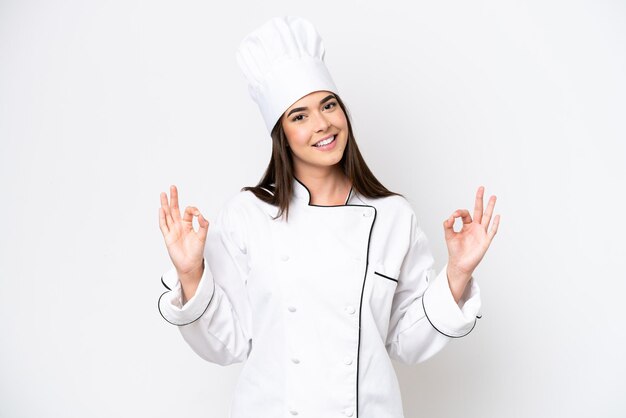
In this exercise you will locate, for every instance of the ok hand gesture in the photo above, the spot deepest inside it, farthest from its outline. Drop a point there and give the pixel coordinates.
(467, 247)
(184, 245)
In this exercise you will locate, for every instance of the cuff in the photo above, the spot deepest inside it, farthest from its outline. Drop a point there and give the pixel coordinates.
(170, 302)
(444, 314)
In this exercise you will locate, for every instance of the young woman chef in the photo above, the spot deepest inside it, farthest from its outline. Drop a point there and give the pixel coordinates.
(319, 275)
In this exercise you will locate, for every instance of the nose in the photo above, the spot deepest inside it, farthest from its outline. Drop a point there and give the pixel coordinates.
(322, 123)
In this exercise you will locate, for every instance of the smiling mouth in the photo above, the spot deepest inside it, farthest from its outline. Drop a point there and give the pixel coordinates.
(326, 141)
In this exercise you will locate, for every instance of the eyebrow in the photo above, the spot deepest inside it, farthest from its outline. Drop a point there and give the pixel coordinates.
(298, 109)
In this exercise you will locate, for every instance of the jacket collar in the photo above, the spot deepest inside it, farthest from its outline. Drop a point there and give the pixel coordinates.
(302, 195)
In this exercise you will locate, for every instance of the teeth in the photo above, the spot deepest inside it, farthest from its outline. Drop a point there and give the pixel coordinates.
(325, 142)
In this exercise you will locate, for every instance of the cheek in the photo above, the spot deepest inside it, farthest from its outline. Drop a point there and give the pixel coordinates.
(341, 121)
(296, 138)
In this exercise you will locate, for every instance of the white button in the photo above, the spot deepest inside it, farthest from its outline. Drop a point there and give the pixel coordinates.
(350, 309)
(295, 360)
(292, 309)
(293, 412)
(349, 412)
(284, 257)
(347, 360)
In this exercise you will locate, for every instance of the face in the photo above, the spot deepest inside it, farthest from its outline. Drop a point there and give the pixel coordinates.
(314, 118)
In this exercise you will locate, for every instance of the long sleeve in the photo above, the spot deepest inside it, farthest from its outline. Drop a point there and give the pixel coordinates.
(216, 321)
(424, 315)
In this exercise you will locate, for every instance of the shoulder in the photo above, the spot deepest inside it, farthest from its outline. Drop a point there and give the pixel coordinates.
(396, 215)
(244, 204)
(396, 206)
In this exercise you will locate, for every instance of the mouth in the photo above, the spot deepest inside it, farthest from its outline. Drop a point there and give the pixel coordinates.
(325, 142)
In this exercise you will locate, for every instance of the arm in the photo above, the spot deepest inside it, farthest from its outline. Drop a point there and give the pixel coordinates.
(449, 302)
(424, 314)
(215, 321)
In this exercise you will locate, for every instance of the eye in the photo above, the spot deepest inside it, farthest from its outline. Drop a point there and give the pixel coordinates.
(295, 118)
(331, 104)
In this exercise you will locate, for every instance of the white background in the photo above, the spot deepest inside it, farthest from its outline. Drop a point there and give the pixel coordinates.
(103, 105)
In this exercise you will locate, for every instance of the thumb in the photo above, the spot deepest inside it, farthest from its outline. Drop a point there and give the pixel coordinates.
(448, 228)
(203, 227)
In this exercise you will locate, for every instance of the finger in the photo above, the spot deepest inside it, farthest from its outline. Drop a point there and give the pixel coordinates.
(204, 227)
(464, 215)
(478, 205)
(174, 202)
(189, 212)
(494, 227)
(166, 208)
(162, 223)
(448, 228)
(489, 212)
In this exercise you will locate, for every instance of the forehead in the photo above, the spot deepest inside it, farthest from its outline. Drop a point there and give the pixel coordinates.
(311, 99)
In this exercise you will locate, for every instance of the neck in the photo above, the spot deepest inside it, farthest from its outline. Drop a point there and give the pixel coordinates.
(328, 187)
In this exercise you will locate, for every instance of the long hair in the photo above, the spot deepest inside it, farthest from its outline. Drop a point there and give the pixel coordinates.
(275, 186)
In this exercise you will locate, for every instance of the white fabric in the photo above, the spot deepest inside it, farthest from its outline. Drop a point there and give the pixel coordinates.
(287, 298)
(283, 61)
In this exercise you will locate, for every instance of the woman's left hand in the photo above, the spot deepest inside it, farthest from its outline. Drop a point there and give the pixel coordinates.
(468, 246)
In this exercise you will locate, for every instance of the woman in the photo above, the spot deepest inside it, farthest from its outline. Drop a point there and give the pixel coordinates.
(319, 275)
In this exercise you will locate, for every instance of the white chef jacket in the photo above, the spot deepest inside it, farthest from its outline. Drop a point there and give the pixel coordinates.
(318, 306)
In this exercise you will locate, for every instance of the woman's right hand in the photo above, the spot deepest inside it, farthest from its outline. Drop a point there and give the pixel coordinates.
(184, 245)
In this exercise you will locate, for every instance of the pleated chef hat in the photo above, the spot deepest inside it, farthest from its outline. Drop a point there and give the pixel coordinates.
(283, 61)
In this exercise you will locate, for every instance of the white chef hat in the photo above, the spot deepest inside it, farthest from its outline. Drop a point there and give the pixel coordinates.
(283, 61)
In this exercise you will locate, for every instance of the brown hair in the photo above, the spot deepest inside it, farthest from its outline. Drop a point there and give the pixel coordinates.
(275, 187)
